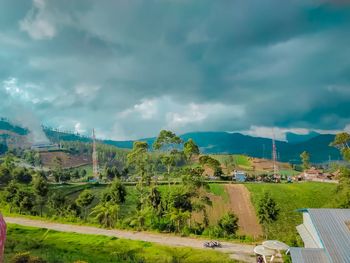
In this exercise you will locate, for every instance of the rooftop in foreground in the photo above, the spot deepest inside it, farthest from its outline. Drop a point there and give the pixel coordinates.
(326, 236)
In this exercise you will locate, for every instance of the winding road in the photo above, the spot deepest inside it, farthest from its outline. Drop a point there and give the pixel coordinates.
(241, 252)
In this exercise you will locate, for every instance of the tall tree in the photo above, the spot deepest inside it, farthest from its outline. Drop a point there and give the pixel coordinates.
(138, 158)
(305, 159)
(167, 142)
(211, 162)
(342, 198)
(342, 142)
(10, 194)
(193, 178)
(41, 189)
(190, 149)
(57, 165)
(84, 200)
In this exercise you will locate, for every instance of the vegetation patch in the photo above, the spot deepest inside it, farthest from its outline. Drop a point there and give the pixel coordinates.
(289, 198)
(62, 247)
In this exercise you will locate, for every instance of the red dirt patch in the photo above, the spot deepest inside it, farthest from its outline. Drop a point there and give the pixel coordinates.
(267, 165)
(241, 205)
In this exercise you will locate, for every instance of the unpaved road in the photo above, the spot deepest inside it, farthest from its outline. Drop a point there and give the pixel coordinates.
(242, 206)
(239, 252)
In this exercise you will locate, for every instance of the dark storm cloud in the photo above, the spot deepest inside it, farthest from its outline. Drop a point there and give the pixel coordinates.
(131, 68)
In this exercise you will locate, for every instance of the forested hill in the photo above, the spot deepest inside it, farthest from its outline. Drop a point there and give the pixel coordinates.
(8, 126)
(222, 142)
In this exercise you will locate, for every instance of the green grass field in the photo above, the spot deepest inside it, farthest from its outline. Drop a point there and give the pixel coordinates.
(289, 198)
(58, 247)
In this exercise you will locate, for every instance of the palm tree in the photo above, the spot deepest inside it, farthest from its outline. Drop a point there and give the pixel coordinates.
(140, 218)
(179, 217)
(106, 214)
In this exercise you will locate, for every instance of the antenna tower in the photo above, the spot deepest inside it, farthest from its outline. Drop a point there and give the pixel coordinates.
(94, 156)
(274, 156)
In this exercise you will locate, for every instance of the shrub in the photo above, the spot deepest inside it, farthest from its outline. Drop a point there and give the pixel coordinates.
(229, 224)
(268, 210)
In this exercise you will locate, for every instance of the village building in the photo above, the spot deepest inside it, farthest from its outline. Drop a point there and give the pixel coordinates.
(239, 176)
(314, 174)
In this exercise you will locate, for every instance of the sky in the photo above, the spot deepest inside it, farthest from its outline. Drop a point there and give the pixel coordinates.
(131, 68)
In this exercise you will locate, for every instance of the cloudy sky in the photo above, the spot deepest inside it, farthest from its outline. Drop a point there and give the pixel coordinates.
(131, 68)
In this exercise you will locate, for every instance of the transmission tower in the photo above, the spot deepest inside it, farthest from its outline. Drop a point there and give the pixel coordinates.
(274, 157)
(94, 156)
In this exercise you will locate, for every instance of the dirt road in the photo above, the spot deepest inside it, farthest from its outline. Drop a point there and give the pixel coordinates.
(241, 205)
(239, 252)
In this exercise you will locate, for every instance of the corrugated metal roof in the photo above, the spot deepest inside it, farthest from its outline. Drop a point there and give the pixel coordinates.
(333, 232)
(308, 255)
(305, 235)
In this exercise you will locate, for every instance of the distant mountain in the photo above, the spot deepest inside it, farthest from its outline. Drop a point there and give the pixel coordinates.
(237, 143)
(318, 147)
(297, 138)
(222, 142)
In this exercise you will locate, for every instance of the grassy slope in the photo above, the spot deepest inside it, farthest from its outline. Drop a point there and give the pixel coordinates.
(219, 190)
(290, 197)
(238, 159)
(69, 247)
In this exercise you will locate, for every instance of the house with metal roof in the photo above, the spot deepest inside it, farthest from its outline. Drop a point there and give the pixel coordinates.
(326, 236)
(239, 176)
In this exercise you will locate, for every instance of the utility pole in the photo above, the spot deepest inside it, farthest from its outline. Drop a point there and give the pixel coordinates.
(94, 156)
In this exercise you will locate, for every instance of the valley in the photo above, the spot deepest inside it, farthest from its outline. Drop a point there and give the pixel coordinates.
(170, 192)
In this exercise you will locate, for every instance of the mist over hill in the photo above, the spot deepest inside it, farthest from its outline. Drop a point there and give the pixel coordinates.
(216, 143)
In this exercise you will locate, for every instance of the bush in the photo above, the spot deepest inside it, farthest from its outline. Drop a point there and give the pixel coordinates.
(214, 231)
(268, 210)
(25, 257)
(229, 224)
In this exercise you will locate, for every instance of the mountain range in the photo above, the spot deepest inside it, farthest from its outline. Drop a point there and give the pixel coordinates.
(216, 143)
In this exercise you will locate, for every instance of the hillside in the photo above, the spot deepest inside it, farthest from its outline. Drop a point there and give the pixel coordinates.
(223, 142)
(68, 160)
